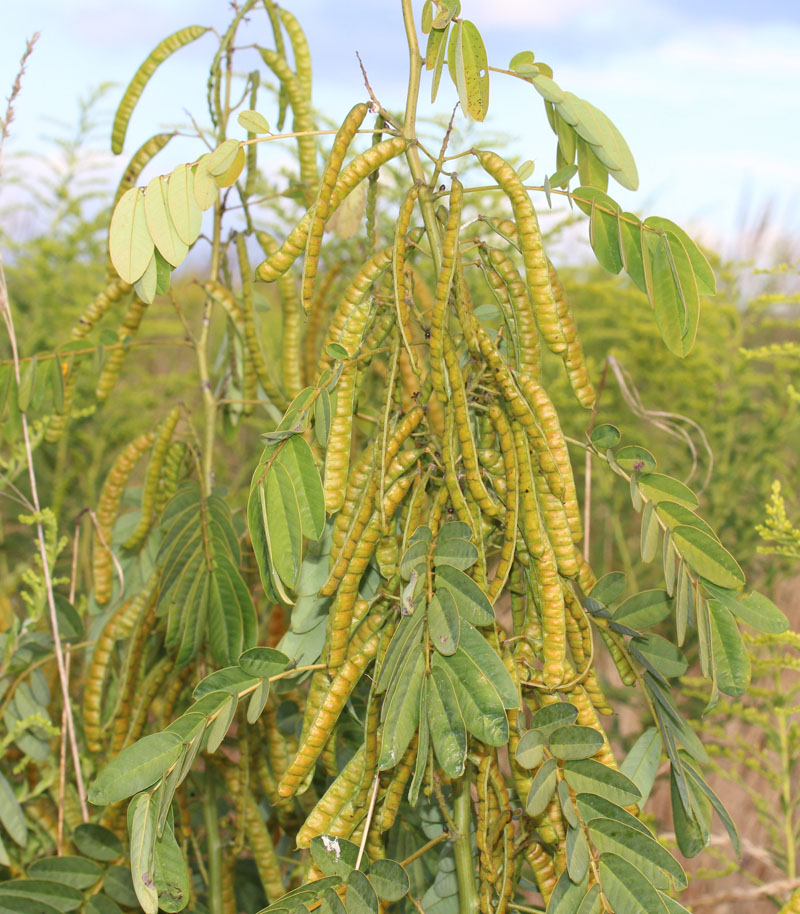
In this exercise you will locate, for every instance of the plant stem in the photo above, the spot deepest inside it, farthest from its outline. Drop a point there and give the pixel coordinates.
(409, 131)
(462, 845)
(213, 845)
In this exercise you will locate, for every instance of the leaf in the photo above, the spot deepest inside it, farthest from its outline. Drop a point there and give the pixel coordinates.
(360, 897)
(604, 233)
(472, 602)
(551, 717)
(117, 884)
(549, 90)
(479, 652)
(643, 610)
(97, 841)
(634, 458)
(567, 895)
(296, 457)
(577, 848)
(77, 872)
(673, 293)
(591, 171)
(334, 856)
(704, 275)
(609, 145)
(253, 122)
(460, 553)
(754, 609)
(567, 805)
(630, 237)
(171, 875)
(100, 904)
(447, 10)
(220, 159)
(168, 46)
(649, 534)
(263, 662)
(530, 749)
(691, 832)
(642, 850)
(145, 287)
(731, 660)
(542, 789)
(589, 776)
(142, 825)
(137, 767)
(657, 487)
(627, 890)
(322, 417)
(698, 781)
(435, 57)
(708, 557)
(160, 225)
(605, 436)
(231, 679)
(447, 729)
(389, 879)
(45, 895)
(11, 814)
(641, 762)
(472, 70)
(283, 523)
(675, 515)
(129, 243)
(661, 654)
(400, 711)
(480, 704)
(184, 211)
(206, 192)
(407, 635)
(575, 742)
(443, 625)
(221, 724)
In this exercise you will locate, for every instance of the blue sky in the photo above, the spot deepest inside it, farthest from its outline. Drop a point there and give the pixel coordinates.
(706, 93)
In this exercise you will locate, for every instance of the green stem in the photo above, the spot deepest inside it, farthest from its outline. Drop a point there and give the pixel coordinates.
(462, 845)
(409, 131)
(213, 846)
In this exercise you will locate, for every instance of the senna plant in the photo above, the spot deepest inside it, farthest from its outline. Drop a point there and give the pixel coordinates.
(402, 630)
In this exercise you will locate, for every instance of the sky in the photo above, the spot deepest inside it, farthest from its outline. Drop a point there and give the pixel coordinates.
(707, 93)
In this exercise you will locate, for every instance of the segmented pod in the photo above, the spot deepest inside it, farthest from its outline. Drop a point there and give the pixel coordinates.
(505, 438)
(574, 360)
(170, 475)
(524, 318)
(112, 293)
(107, 507)
(396, 787)
(340, 439)
(113, 366)
(150, 489)
(537, 274)
(333, 801)
(136, 86)
(444, 283)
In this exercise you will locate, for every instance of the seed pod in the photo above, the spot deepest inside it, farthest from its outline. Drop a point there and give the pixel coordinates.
(530, 242)
(107, 507)
(444, 284)
(319, 311)
(154, 467)
(112, 293)
(525, 320)
(397, 787)
(543, 869)
(505, 438)
(352, 175)
(335, 798)
(322, 210)
(110, 373)
(340, 439)
(574, 360)
(170, 475)
(399, 272)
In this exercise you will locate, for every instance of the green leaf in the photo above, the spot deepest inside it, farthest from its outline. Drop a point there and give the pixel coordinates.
(360, 897)
(77, 872)
(483, 655)
(117, 884)
(542, 789)
(472, 72)
(708, 557)
(567, 895)
(675, 515)
(731, 660)
(44, 894)
(435, 53)
(627, 890)
(322, 417)
(253, 122)
(129, 243)
(184, 211)
(591, 171)
(630, 237)
(530, 749)
(480, 704)
(589, 776)
(549, 90)
(567, 805)
(592, 807)
(609, 588)
(283, 524)
(401, 710)
(592, 903)
(643, 610)
(673, 293)
(263, 662)
(221, 724)
(298, 461)
(447, 729)
(657, 488)
(575, 742)
(334, 856)
(754, 609)
(97, 841)
(577, 854)
(608, 145)
(160, 225)
(472, 602)
(460, 553)
(704, 275)
(258, 701)
(446, 11)
(407, 635)
(444, 625)
(206, 191)
(100, 904)
(641, 762)
(11, 814)
(697, 781)
(667, 659)
(691, 832)
(137, 767)
(649, 534)
(170, 874)
(389, 879)
(605, 436)
(142, 825)
(220, 160)
(634, 458)
(551, 717)
(643, 851)
(145, 287)
(604, 232)
(231, 679)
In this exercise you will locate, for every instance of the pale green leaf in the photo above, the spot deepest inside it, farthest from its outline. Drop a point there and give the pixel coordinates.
(253, 122)
(129, 243)
(160, 225)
